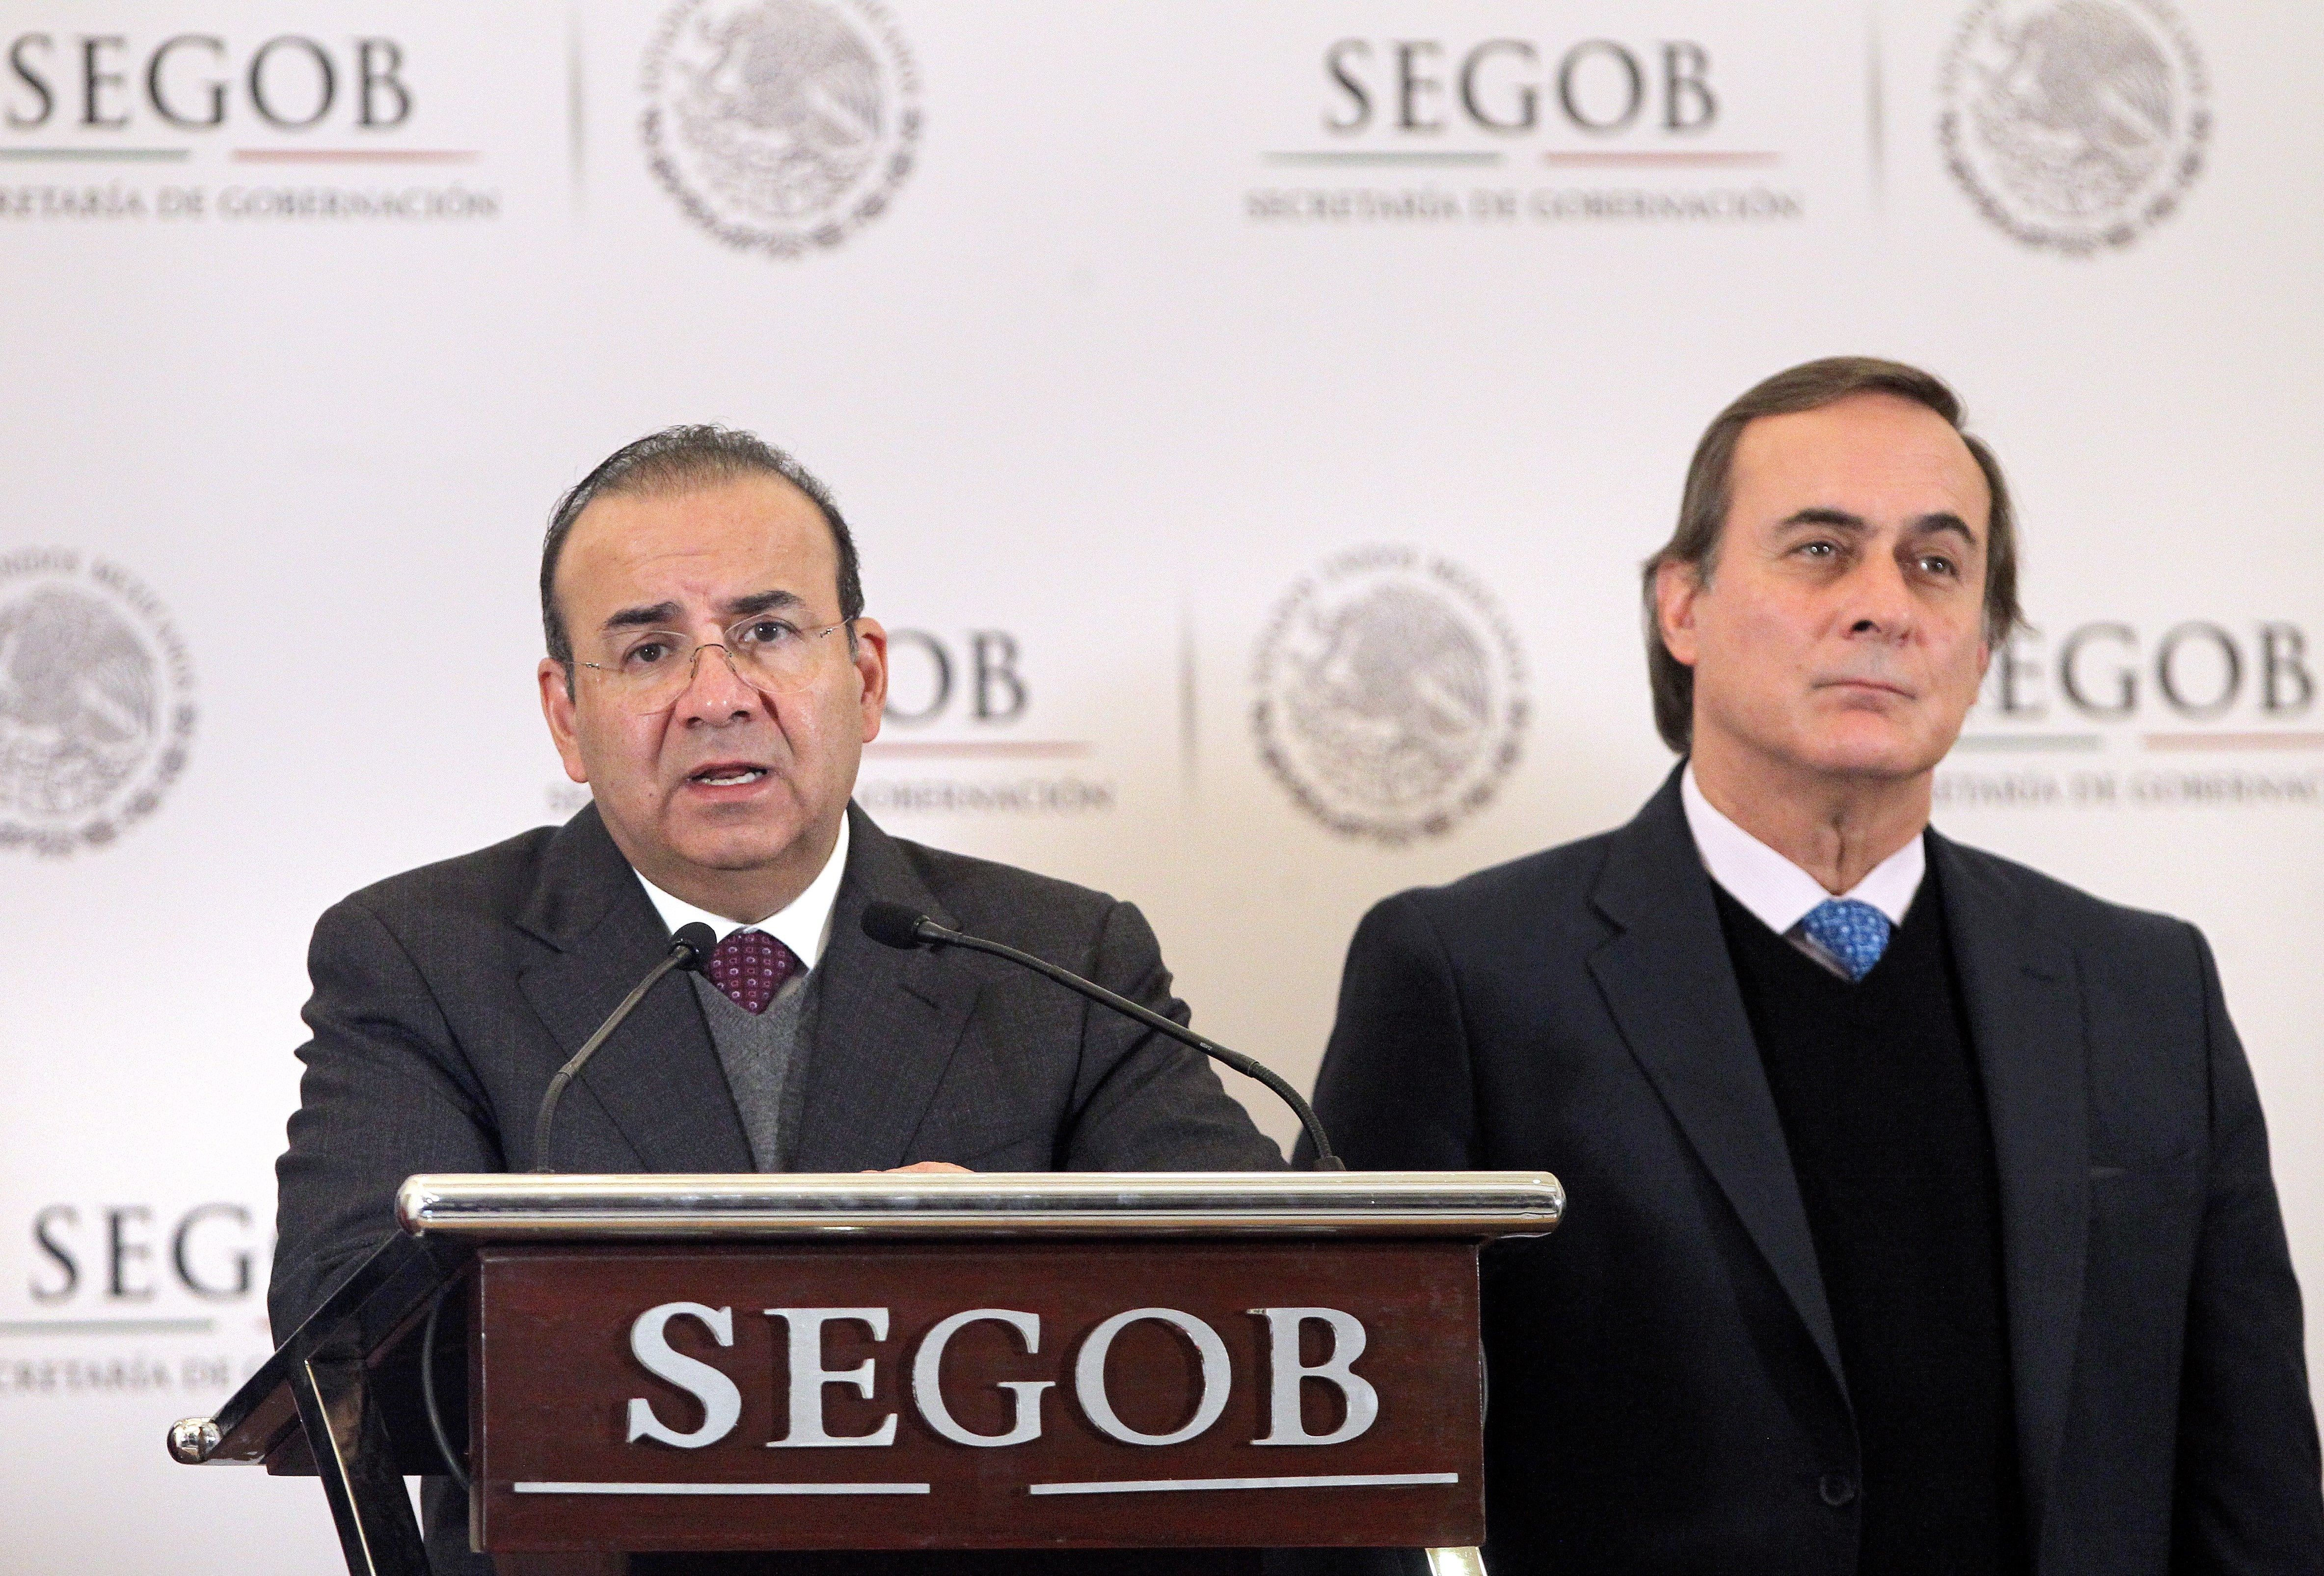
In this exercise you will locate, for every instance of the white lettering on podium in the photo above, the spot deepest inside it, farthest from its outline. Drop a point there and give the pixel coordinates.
(1089, 1375)
(927, 1379)
(809, 1376)
(722, 1402)
(1286, 1373)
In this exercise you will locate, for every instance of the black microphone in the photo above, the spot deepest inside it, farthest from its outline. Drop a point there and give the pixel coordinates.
(689, 949)
(894, 925)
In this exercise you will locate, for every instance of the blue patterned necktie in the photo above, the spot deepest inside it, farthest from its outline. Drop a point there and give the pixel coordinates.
(1853, 934)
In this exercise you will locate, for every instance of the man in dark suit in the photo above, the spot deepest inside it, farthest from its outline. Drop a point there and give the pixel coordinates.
(712, 678)
(1921, 1219)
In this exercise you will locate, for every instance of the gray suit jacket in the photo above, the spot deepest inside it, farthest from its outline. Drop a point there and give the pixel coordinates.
(1666, 1386)
(447, 997)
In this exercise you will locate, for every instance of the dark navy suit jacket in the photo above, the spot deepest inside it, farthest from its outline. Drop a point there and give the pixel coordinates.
(1667, 1392)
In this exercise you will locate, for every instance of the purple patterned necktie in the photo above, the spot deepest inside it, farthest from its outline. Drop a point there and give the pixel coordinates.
(751, 966)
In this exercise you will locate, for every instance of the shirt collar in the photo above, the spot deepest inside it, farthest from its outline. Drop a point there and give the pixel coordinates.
(1776, 891)
(803, 925)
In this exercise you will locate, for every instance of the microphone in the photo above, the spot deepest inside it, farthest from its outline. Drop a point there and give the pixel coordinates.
(897, 926)
(689, 949)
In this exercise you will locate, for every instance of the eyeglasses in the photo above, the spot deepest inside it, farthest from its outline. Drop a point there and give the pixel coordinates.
(656, 667)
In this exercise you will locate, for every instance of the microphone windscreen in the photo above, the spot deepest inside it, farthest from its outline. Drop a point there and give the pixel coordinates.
(699, 942)
(893, 925)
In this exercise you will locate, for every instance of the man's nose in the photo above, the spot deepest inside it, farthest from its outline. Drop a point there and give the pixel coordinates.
(715, 691)
(1879, 602)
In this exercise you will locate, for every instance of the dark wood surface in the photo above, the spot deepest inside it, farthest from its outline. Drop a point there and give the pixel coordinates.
(553, 1377)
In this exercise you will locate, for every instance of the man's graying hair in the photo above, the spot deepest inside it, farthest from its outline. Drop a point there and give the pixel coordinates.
(675, 460)
(1702, 510)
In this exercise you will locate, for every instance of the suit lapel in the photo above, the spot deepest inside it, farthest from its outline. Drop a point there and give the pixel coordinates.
(2023, 994)
(658, 1080)
(887, 1021)
(1668, 983)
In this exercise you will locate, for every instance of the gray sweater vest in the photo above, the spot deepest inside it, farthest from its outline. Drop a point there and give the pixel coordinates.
(763, 1054)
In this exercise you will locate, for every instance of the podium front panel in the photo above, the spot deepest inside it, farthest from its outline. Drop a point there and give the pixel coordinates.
(869, 1394)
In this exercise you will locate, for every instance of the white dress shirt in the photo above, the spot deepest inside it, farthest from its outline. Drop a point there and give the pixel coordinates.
(804, 925)
(1778, 892)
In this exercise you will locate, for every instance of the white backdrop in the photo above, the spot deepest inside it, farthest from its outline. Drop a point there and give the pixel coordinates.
(1203, 380)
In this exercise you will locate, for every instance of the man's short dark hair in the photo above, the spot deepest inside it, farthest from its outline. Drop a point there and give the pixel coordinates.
(1702, 510)
(677, 459)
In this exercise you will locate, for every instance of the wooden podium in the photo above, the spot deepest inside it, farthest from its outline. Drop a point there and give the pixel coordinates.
(900, 1361)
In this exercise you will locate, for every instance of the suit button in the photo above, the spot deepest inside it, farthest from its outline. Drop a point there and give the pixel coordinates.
(1838, 1488)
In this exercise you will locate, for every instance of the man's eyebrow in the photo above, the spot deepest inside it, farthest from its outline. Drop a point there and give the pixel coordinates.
(1840, 517)
(761, 602)
(631, 618)
(1926, 525)
(1944, 521)
(663, 613)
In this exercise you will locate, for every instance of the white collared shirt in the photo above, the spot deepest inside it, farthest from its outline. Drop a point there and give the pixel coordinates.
(804, 925)
(1776, 891)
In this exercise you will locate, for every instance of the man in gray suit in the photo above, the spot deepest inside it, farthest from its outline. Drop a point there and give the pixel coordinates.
(1922, 1217)
(712, 676)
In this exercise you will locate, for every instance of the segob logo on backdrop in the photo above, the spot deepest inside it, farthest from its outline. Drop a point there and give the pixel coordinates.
(96, 702)
(1391, 694)
(2074, 123)
(781, 126)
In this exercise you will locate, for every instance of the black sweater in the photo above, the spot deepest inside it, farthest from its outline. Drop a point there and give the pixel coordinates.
(1884, 1112)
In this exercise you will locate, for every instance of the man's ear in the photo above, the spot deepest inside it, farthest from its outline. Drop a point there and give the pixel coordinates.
(870, 655)
(554, 679)
(1677, 587)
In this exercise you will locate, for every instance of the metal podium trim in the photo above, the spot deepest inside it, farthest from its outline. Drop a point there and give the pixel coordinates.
(892, 1206)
